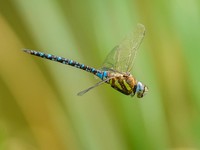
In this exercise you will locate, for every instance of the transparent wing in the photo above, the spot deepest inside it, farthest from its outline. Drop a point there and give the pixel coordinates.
(97, 84)
(122, 56)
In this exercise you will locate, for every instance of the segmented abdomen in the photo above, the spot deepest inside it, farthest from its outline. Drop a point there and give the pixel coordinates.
(100, 74)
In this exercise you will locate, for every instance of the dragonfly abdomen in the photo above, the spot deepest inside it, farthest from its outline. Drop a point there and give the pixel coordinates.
(101, 74)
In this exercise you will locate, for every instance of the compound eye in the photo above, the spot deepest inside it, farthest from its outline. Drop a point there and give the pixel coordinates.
(139, 87)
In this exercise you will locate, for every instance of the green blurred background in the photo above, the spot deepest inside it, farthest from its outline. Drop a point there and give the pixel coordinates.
(39, 108)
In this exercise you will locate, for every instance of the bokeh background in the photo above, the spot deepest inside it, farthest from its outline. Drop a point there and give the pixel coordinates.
(39, 106)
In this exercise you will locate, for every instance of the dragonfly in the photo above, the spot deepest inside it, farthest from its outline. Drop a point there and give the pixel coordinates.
(116, 67)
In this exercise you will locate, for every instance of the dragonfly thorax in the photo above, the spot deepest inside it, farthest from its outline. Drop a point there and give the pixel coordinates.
(124, 83)
(127, 84)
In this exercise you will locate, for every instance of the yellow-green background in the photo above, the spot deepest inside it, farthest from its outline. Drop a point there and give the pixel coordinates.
(39, 108)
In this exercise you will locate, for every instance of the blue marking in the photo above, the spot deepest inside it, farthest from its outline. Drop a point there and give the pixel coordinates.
(49, 56)
(41, 54)
(59, 58)
(139, 87)
(82, 65)
(70, 62)
(100, 75)
(105, 74)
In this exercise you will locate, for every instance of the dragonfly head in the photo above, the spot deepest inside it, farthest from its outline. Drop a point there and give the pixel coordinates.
(141, 90)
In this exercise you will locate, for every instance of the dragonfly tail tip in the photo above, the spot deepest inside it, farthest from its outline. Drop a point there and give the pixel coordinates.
(26, 50)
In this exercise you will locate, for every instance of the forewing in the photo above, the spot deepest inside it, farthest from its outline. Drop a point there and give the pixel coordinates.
(122, 56)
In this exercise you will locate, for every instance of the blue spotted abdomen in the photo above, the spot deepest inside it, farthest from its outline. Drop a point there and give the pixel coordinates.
(101, 74)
